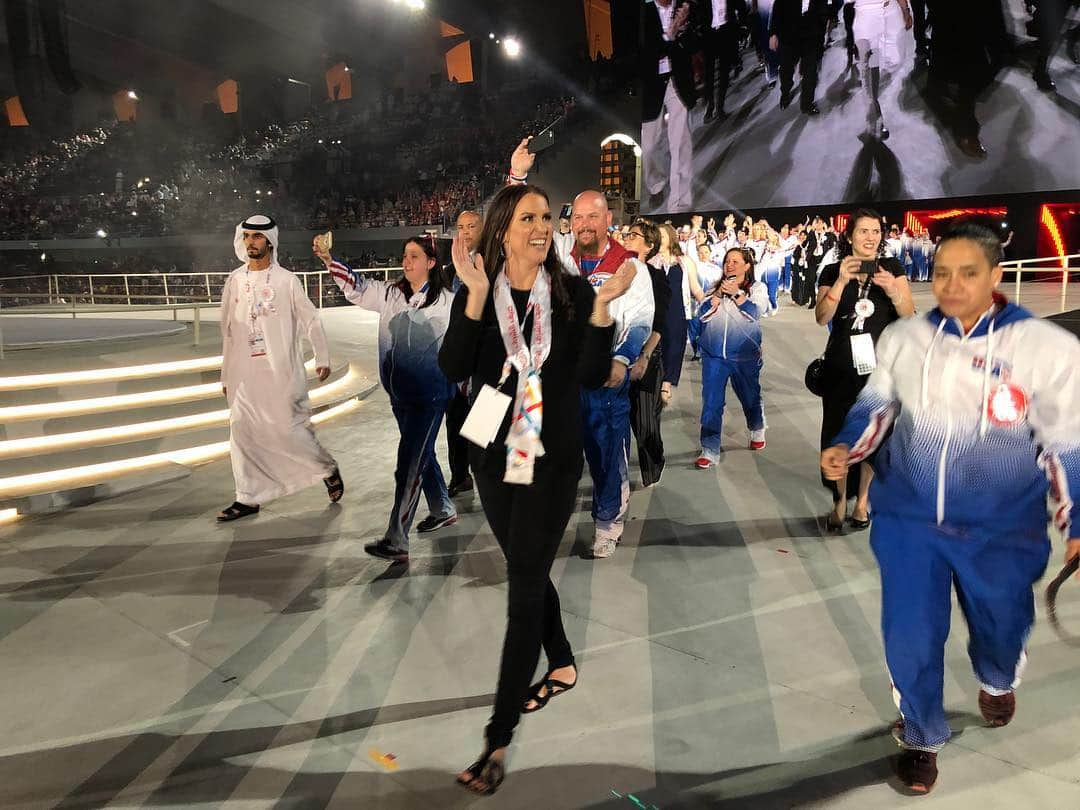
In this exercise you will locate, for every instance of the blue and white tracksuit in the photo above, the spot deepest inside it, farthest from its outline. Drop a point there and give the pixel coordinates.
(605, 412)
(409, 339)
(985, 436)
(731, 350)
(770, 267)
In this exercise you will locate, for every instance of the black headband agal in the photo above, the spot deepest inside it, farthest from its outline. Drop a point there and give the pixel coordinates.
(253, 225)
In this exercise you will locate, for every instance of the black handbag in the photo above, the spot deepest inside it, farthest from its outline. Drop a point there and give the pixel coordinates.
(814, 378)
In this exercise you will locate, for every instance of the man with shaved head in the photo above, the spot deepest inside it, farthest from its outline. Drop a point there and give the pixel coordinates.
(606, 411)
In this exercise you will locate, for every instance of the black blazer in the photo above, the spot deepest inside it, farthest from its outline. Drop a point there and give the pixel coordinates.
(828, 242)
(738, 10)
(785, 21)
(580, 356)
(653, 48)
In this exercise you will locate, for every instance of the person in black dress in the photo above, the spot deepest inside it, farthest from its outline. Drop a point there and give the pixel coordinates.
(517, 294)
(857, 304)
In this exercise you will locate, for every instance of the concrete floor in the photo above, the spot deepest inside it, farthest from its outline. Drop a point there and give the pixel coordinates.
(765, 157)
(730, 654)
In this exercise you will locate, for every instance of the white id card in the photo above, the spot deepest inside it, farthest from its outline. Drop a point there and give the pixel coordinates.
(257, 344)
(863, 354)
(486, 416)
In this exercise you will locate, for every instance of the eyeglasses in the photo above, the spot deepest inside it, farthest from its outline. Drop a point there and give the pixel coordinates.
(635, 235)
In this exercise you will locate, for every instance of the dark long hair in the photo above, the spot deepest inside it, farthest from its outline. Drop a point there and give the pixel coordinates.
(490, 245)
(748, 257)
(436, 281)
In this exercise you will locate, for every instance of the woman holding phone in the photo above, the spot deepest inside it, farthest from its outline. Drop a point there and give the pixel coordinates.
(861, 295)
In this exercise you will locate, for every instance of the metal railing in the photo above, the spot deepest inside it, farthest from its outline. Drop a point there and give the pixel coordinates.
(1047, 266)
(75, 309)
(133, 289)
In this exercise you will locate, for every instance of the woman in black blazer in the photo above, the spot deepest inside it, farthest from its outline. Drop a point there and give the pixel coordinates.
(517, 294)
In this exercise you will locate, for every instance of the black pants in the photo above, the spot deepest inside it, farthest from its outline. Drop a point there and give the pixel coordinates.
(807, 51)
(849, 27)
(721, 51)
(919, 18)
(645, 408)
(458, 448)
(1049, 24)
(528, 522)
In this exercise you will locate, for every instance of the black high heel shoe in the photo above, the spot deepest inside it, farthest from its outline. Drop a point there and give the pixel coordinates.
(486, 770)
(860, 524)
(832, 525)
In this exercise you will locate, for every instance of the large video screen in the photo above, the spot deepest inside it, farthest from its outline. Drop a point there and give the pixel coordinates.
(809, 102)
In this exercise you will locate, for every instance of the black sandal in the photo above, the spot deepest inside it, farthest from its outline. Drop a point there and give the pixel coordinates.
(335, 487)
(832, 524)
(237, 511)
(860, 524)
(486, 770)
(554, 689)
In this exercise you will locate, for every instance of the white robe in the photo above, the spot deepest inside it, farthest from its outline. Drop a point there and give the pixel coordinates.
(273, 446)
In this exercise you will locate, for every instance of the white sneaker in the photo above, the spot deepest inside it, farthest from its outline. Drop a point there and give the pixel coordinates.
(604, 548)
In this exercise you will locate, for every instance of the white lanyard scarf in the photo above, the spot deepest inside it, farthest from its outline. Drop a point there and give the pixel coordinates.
(523, 444)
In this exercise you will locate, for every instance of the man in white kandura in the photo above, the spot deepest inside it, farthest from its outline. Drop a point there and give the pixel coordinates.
(264, 312)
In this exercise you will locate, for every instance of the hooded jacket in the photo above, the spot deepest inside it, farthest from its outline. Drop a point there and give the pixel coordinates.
(985, 426)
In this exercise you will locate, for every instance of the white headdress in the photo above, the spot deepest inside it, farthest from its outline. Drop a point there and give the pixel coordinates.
(256, 222)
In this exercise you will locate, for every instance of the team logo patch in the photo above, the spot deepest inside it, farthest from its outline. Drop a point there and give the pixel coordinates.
(1007, 406)
(598, 279)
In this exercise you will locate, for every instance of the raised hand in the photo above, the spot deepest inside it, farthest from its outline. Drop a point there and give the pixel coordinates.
(318, 247)
(619, 283)
(469, 270)
(522, 160)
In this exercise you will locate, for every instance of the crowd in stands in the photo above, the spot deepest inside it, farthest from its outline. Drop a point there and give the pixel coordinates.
(330, 169)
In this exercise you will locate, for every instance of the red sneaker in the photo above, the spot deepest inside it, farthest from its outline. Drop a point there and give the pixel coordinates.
(703, 463)
(757, 445)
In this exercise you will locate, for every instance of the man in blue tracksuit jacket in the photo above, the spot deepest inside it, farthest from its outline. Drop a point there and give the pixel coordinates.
(606, 411)
(983, 401)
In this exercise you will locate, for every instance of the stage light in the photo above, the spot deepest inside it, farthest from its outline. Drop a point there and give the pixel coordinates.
(101, 233)
(415, 5)
(258, 192)
(134, 213)
(43, 257)
(491, 36)
(512, 47)
(133, 95)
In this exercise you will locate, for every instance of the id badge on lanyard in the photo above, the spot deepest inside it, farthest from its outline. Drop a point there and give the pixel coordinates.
(256, 343)
(485, 416)
(863, 355)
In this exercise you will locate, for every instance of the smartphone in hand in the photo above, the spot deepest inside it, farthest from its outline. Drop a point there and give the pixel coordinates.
(542, 141)
(868, 267)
